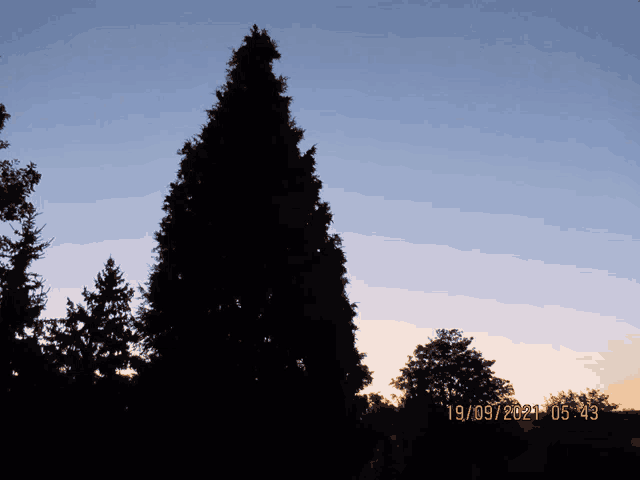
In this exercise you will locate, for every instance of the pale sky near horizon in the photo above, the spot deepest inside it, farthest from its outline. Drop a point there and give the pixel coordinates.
(479, 159)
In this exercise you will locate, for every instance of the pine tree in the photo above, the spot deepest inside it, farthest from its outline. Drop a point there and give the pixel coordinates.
(92, 344)
(27, 372)
(17, 307)
(110, 322)
(247, 296)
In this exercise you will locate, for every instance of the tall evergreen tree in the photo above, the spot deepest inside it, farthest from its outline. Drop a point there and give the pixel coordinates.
(247, 296)
(31, 389)
(26, 372)
(17, 307)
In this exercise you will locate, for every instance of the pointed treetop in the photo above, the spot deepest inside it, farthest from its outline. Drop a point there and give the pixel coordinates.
(108, 285)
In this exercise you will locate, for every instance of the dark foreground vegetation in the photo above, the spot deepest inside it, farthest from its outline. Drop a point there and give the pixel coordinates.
(503, 449)
(248, 366)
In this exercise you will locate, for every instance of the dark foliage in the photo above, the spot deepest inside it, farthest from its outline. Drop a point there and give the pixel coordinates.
(15, 187)
(40, 403)
(15, 184)
(419, 433)
(589, 447)
(28, 376)
(479, 449)
(92, 344)
(446, 373)
(388, 460)
(246, 306)
(577, 405)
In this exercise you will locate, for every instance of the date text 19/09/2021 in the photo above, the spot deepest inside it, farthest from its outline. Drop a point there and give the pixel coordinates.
(516, 412)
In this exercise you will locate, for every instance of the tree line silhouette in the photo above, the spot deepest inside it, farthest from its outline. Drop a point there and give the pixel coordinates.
(247, 362)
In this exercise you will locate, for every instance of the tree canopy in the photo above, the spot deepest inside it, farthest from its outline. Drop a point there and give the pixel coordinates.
(442, 373)
(579, 403)
(445, 372)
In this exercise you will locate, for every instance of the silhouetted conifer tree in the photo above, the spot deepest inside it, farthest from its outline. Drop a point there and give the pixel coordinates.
(20, 358)
(91, 345)
(27, 373)
(246, 306)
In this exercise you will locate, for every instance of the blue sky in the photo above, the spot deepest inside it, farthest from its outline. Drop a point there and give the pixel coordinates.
(479, 159)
